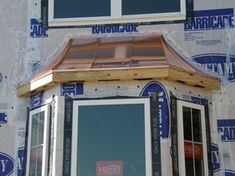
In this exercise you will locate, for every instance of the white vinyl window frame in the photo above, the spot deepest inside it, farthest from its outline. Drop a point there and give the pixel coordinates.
(180, 127)
(148, 146)
(115, 17)
(44, 109)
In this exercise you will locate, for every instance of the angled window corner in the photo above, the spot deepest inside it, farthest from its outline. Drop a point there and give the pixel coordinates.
(193, 156)
(38, 137)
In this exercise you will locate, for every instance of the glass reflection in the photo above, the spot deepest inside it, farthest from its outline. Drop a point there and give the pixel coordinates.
(37, 132)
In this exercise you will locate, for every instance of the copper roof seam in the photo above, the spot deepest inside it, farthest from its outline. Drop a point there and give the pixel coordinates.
(112, 69)
(87, 44)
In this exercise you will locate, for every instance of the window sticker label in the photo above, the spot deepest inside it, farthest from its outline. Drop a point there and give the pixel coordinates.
(193, 149)
(109, 168)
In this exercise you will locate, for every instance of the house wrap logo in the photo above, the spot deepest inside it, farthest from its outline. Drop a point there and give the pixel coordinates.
(226, 130)
(20, 167)
(211, 20)
(6, 164)
(222, 64)
(229, 173)
(36, 29)
(36, 100)
(163, 105)
(215, 159)
(127, 28)
(3, 118)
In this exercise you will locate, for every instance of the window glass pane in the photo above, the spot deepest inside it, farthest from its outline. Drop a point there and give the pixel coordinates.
(37, 129)
(35, 167)
(133, 7)
(81, 8)
(111, 133)
(199, 168)
(197, 125)
(187, 123)
(189, 166)
(197, 135)
(37, 132)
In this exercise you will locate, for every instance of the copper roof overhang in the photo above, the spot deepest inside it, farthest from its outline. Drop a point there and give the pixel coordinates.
(168, 67)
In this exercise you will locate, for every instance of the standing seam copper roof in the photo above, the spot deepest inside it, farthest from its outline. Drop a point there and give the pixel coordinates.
(155, 53)
(118, 54)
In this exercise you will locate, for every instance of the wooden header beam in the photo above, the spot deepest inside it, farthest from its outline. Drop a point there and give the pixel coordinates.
(56, 77)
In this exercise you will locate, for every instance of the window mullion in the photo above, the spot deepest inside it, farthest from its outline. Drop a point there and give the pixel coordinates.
(192, 134)
(38, 131)
(116, 8)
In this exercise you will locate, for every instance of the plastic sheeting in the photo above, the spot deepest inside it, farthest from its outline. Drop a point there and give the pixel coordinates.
(208, 40)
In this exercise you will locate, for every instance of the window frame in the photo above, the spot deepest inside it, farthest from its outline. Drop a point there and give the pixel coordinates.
(44, 109)
(180, 131)
(147, 126)
(115, 17)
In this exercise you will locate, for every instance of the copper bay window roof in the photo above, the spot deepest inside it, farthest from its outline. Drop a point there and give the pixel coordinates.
(118, 58)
